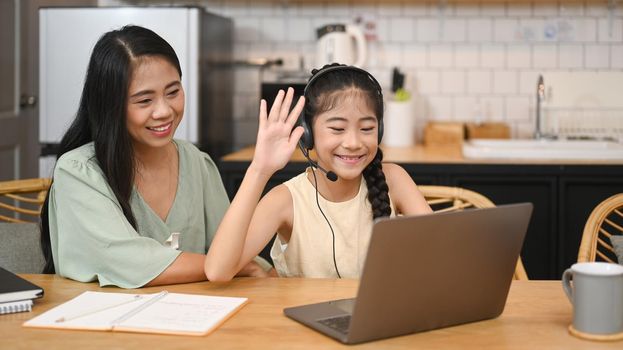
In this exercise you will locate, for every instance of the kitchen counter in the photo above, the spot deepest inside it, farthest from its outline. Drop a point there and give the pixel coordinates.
(564, 192)
(445, 154)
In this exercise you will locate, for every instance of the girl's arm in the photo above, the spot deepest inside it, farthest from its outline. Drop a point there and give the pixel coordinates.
(188, 267)
(275, 144)
(273, 214)
(404, 192)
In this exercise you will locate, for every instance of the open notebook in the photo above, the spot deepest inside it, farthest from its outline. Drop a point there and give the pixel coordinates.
(168, 313)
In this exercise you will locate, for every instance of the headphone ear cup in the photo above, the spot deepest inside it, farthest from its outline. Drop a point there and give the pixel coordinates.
(307, 139)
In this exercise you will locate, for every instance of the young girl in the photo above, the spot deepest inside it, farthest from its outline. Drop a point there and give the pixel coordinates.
(122, 186)
(323, 219)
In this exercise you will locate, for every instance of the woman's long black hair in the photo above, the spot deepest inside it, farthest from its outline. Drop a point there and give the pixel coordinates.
(322, 96)
(101, 116)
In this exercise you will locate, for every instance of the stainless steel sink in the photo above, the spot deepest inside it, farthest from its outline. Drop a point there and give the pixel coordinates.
(542, 149)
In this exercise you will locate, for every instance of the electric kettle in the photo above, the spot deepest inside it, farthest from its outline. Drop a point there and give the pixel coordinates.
(340, 43)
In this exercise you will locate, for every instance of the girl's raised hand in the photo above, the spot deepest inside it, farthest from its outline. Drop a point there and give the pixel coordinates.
(276, 140)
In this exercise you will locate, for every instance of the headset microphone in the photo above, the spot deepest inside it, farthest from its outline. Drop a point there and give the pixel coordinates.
(329, 174)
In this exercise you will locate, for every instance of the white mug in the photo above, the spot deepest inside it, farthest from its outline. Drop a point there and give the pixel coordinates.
(597, 297)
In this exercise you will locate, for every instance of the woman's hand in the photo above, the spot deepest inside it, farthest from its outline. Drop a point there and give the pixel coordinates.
(276, 140)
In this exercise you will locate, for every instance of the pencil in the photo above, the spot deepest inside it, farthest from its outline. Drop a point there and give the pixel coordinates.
(139, 308)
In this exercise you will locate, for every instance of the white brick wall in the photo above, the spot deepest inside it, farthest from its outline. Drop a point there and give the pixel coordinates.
(480, 30)
(616, 56)
(505, 82)
(519, 55)
(441, 55)
(427, 30)
(453, 30)
(466, 56)
(492, 56)
(427, 82)
(402, 30)
(544, 56)
(479, 82)
(456, 56)
(466, 107)
(453, 82)
(610, 31)
(570, 56)
(597, 56)
(414, 56)
(505, 29)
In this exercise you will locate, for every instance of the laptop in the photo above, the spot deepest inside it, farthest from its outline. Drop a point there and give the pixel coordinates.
(427, 272)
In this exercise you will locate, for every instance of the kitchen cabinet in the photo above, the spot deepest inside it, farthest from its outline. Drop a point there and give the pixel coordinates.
(563, 194)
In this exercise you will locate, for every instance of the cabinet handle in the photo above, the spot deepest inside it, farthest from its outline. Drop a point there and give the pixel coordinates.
(27, 101)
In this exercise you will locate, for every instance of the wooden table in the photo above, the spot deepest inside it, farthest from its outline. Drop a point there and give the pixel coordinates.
(536, 316)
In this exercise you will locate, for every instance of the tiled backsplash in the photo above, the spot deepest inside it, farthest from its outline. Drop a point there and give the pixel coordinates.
(462, 61)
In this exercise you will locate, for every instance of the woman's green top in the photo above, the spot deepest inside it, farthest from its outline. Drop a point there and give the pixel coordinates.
(91, 238)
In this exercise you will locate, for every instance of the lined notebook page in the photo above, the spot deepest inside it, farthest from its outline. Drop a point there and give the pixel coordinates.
(171, 313)
(99, 309)
(184, 313)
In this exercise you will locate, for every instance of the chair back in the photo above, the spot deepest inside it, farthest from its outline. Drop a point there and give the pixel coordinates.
(20, 251)
(21, 200)
(444, 198)
(605, 221)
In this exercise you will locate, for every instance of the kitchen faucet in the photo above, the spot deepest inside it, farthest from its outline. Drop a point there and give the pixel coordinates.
(540, 96)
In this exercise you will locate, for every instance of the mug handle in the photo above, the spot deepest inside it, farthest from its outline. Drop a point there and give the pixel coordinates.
(566, 284)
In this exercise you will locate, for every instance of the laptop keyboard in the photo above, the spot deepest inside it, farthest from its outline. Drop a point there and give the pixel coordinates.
(338, 323)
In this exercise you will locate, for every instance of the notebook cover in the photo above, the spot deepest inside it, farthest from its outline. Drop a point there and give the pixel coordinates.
(14, 288)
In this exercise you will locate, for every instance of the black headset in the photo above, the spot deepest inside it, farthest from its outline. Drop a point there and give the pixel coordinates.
(306, 141)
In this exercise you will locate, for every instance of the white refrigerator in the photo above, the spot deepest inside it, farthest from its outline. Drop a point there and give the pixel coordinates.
(202, 41)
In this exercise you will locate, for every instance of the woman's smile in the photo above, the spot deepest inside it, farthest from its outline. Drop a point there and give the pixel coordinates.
(155, 104)
(161, 130)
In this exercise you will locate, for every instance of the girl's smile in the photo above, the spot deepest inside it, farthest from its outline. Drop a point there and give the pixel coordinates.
(350, 159)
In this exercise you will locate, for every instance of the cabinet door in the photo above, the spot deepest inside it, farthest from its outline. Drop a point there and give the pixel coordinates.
(428, 174)
(18, 134)
(538, 253)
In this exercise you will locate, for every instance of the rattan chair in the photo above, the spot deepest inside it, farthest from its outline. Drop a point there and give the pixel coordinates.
(442, 199)
(605, 221)
(21, 200)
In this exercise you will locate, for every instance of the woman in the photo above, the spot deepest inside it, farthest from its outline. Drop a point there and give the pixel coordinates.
(123, 188)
